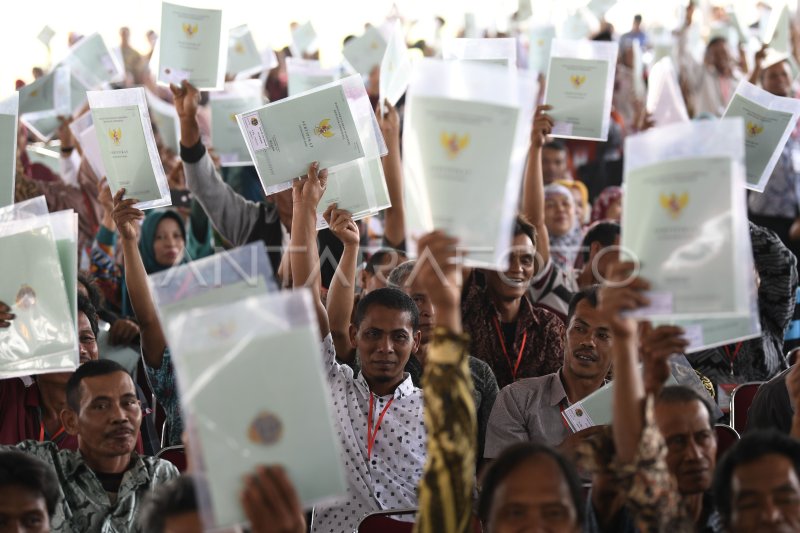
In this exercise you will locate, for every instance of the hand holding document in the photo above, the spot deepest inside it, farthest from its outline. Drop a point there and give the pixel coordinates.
(191, 47)
(580, 85)
(8, 148)
(395, 68)
(358, 188)
(268, 343)
(333, 124)
(128, 147)
(768, 122)
(467, 129)
(683, 220)
(226, 138)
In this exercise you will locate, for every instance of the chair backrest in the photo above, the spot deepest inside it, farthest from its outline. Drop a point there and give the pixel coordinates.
(726, 437)
(381, 522)
(175, 455)
(741, 399)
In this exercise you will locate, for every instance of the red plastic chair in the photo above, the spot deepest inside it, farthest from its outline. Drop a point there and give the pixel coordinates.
(726, 437)
(175, 455)
(381, 522)
(741, 399)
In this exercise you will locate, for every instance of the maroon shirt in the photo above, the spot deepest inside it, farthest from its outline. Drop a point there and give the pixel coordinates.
(21, 419)
(538, 336)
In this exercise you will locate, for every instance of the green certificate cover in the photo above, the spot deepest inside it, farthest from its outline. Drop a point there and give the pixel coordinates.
(764, 129)
(226, 137)
(287, 136)
(346, 188)
(190, 44)
(165, 118)
(576, 88)
(678, 223)
(465, 149)
(124, 150)
(68, 259)
(243, 56)
(288, 422)
(8, 158)
(539, 51)
(35, 291)
(91, 62)
(365, 53)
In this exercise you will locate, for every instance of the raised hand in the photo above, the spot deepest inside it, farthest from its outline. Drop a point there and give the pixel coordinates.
(271, 503)
(6, 316)
(186, 99)
(342, 225)
(125, 215)
(542, 126)
(623, 291)
(437, 271)
(389, 123)
(656, 345)
(308, 190)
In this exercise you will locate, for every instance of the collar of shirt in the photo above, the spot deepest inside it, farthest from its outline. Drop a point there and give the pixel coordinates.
(557, 392)
(406, 387)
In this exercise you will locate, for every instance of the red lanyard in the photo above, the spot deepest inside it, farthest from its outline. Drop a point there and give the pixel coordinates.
(515, 367)
(372, 433)
(732, 358)
(564, 420)
(55, 435)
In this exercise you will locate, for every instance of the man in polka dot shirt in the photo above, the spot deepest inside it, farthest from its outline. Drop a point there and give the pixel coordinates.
(378, 413)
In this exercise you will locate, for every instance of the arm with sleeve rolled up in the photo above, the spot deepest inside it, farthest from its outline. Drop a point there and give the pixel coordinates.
(304, 255)
(445, 491)
(232, 215)
(341, 295)
(533, 185)
(152, 336)
(777, 268)
(394, 229)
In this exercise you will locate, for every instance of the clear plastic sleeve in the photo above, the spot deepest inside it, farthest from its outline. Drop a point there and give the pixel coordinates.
(221, 278)
(664, 99)
(42, 337)
(226, 137)
(35, 207)
(166, 120)
(580, 86)
(304, 40)
(395, 67)
(93, 64)
(502, 51)
(8, 148)
(768, 122)
(685, 218)
(123, 98)
(278, 164)
(83, 130)
(359, 187)
(465, 141)
(270, 344)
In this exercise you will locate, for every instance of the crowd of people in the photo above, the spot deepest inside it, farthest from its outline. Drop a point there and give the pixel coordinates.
(448, 385)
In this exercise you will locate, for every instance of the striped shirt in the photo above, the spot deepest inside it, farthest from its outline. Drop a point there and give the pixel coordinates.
(553, 288)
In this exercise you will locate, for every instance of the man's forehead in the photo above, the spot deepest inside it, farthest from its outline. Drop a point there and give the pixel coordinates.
(586, 313)
(768, 472)
(675, 418)
(114, 384)
(385, 318)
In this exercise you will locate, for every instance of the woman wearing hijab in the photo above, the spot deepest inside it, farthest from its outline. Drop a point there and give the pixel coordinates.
(580, 193)
(562, 225)
(608, 206)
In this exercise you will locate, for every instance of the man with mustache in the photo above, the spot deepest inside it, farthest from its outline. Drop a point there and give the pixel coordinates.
(103, 483)
(530, 409)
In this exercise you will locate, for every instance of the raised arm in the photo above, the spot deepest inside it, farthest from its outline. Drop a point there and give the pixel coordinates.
(445, 492)
(394, 229)
(306, 194)
(341, 294)
(793, 387)
(152, 336)
(533, 187)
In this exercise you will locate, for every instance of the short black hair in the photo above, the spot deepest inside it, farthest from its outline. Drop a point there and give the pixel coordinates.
(522, 226)
(379, 256)
(390, 298)
(170, 499)
(555, 145)
(752, 447)
(510, 459)
(605, 232)
(588, 293)
(682, 394)
(85, 306)
(715, 40)
(637, 18)
(88, 281)
(24, 470)
(89, 369)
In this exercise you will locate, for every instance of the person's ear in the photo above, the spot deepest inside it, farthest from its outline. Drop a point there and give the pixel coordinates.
(69, 419)
(417, 341)
(593, 249)
(364, 279)
(353, 334)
